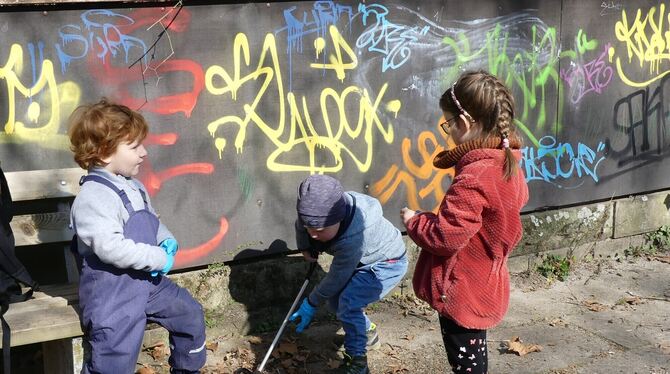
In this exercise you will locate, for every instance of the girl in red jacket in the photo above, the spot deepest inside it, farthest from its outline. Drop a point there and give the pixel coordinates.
(462, 269)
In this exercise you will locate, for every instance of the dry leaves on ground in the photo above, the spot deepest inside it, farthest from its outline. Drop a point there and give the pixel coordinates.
(556, 322)
(146, 370)
(396, 369)
(665, 259)
(255, 340)
(630, 300)
(159, 351)
(290, 356)
(236, 359)
(212, 346)
(412, 305)
(515, 345)
(594, 306)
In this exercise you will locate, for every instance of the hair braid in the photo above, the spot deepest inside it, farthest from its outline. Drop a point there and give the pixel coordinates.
(504, 122)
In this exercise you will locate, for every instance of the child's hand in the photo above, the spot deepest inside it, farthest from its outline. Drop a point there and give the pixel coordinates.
(166, 268)
(306, 313)
(170, 246)
(406, 214)
(308, 256)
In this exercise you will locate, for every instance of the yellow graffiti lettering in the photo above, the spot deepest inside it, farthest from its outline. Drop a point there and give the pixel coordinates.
(319, 45)
(394, 107)
(415, 174)
(47, 105)
(34, 111)
(336, 61)
(322, 144)
(646, 41)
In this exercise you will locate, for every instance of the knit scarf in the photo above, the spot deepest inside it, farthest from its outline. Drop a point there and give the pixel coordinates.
(449, 158)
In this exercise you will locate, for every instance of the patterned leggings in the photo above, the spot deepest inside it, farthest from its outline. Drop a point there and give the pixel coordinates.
(466, 348)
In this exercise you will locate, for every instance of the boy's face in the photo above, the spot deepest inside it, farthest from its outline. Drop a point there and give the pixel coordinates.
(126, 159)
(323, 234)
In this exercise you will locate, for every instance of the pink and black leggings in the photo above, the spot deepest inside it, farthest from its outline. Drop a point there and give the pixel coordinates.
(466, 348)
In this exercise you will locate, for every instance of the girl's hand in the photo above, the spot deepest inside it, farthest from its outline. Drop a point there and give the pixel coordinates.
(406, 214)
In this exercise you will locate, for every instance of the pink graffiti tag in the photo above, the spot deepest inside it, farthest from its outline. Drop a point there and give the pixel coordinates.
(594, 76)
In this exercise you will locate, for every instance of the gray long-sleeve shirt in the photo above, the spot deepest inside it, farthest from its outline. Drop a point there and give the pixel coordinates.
(98, 216)
(369, 238)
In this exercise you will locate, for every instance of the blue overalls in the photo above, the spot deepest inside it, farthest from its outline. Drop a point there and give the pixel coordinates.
(116, 304)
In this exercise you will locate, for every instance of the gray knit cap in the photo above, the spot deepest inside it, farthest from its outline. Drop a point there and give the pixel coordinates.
(320, 201)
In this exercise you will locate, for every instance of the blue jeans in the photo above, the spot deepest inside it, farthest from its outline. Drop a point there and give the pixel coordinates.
(368, 284)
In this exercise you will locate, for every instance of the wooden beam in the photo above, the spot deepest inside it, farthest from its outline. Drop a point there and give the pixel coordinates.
(41, 228)
(44, 184)
(43, 325)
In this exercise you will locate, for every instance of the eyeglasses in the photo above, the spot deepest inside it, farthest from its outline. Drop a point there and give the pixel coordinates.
(446, 125)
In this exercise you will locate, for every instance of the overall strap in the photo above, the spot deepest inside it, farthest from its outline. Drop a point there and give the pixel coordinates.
(144, 198)
(108, 183)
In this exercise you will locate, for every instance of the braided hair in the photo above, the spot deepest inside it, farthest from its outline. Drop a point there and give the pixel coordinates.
(486, 100)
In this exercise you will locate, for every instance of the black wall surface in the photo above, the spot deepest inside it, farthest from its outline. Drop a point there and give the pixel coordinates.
(246, 100)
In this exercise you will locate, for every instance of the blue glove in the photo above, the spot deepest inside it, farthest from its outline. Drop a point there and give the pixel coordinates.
(170, 246)
(166, 268)
(306, 313)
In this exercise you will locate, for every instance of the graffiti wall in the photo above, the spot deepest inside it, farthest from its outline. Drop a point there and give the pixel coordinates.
(246, 100)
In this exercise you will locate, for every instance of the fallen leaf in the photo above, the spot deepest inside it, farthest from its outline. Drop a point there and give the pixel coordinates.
(395, 369)
(212, 346)
(594, 306)
(154, 345)
(408, 337)
(287, 363)
(146, 370)
(290, 348)
(159, 351)
(665, 259)
(633, 300)
(255, 340)
(516, 345)
(556, 322)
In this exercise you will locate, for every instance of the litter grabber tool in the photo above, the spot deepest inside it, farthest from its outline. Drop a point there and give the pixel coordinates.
(260, 368)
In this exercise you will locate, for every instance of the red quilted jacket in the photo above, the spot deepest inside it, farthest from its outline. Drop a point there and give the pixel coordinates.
(462, 268)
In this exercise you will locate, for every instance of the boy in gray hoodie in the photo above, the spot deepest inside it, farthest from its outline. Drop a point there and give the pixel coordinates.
(369, 260)
(125, 250)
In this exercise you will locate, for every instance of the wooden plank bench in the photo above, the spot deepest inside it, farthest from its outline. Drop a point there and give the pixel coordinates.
(51, 317)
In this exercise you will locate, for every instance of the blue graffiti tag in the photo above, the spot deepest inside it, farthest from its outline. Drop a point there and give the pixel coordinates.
(322, 15)
(553, 161)
(104, 37)
(389, 39)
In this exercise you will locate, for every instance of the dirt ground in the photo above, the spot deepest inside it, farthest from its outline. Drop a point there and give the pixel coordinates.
(607, 317)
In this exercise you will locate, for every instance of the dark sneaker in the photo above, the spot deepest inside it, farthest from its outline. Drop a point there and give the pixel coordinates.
(373, 339)
(353, 365)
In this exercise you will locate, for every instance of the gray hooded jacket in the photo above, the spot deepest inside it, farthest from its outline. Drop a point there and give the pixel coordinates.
(98, 215)
(369, 238)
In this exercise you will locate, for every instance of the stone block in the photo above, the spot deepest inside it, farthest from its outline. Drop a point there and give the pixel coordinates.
(640, 214)
(565, 228)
